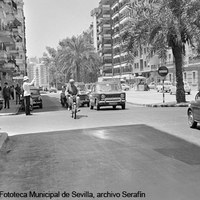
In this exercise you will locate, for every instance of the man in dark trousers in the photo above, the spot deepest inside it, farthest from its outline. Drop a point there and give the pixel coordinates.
(6, 95)
(27, 93)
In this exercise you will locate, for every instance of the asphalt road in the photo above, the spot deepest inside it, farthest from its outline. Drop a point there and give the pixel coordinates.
(128, 158)
(107, 151)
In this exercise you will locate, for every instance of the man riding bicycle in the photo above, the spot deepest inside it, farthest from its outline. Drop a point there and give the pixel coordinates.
(72, 90)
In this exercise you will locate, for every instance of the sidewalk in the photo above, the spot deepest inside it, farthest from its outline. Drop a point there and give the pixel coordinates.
(153, 98)
(13, 110)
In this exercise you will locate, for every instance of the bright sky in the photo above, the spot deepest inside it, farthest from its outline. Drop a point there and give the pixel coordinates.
(49, 21)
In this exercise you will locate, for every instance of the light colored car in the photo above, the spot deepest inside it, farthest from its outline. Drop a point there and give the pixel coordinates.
(107, 93)
(187, 88)
(167, 85)
(152, 85)
(125, 87)
(52, 89)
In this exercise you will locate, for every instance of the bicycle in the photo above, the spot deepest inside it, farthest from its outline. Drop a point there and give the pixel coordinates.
(74, 109)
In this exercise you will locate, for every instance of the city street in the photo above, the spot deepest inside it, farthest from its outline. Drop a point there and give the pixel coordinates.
(107, 151)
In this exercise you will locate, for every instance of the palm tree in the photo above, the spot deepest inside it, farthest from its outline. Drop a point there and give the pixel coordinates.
(75, 55)
(165, 24)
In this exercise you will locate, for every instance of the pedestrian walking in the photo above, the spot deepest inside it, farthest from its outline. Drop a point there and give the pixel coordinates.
(6, 95)
(27, 93)
(18, 93)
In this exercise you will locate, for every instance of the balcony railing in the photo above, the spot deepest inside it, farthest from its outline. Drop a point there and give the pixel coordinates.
(194, 60)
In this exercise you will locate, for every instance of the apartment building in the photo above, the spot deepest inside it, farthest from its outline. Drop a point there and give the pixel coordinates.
(102, 34)
(12, 40)
(118, 63)
(37, 68)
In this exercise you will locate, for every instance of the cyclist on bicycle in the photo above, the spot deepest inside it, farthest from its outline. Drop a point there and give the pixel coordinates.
(72, 90)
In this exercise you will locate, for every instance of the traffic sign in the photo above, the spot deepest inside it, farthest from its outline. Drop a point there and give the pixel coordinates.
(163, 71)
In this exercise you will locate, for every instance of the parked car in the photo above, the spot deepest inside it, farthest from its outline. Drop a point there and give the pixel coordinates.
(152, 85)
(83, 94)
(125, 87)
(1, 98)
(1, 103)
(187, 88)
(107, 93)
(167, 85)
(53, 89)
(193, 113)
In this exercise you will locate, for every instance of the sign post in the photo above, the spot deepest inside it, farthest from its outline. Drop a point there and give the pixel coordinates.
(163, 71)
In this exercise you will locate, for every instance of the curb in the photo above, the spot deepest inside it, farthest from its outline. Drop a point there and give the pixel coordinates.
(3, 138)
(172, 104)
(14, 113)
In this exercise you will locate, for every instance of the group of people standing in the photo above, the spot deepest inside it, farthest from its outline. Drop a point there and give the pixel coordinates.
(8, 93)
(24, 90)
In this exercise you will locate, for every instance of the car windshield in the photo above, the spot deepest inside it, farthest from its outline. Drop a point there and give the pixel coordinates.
(35, 92)
(108, 87)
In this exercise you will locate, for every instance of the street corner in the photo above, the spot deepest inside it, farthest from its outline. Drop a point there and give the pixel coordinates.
(3, 138)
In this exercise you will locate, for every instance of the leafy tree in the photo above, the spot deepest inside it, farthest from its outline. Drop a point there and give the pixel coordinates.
(165, 24)
(75, 56)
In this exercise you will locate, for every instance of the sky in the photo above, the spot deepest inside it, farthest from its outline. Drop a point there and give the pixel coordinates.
(49, 21)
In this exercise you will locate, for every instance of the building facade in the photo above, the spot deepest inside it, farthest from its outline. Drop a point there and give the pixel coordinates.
(12, 41)
(118, 63)
(37, 68)
(102, 34)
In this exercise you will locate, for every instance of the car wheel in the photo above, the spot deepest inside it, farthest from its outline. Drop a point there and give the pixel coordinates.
(114, 107)
(191, 121)
(123, 107)
(97, 106)
(88, 104)
(41, 106)
(189, 93)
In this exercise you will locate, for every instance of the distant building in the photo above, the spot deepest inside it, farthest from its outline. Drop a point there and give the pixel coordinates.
(37, 68)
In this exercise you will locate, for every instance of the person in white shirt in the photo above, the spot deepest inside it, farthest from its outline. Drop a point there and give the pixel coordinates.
(27, 93)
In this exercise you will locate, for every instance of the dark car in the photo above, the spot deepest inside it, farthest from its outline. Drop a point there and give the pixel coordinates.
(36, 97)
(193, 113)
(1, 103)
(83, 94)
(107, 93)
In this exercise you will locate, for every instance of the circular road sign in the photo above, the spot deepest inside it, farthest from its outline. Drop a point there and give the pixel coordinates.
(163, 71)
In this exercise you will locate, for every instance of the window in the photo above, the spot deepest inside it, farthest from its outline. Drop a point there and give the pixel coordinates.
(185, 77)
(194, 77)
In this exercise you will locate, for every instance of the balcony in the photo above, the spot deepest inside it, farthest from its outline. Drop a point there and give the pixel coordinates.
(107, 35)
(13, 50)
(194, 60)
(3, 56)
(107, 16)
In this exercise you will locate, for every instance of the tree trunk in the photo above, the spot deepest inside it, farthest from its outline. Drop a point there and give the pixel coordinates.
(77, 73)
(180, 93)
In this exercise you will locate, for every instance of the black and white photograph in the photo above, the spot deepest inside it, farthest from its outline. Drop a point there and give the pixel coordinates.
(100, 99)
